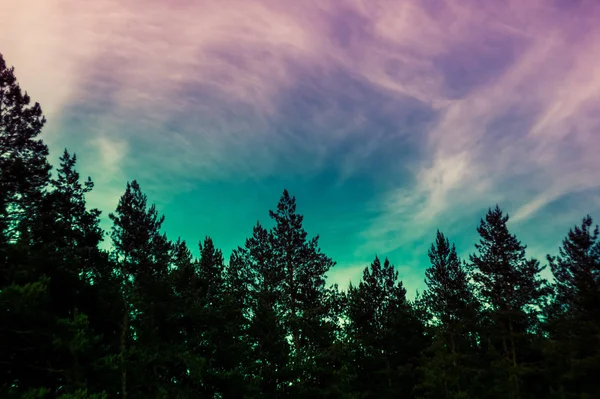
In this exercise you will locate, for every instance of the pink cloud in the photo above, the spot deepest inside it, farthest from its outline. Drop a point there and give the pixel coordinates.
(530, 67)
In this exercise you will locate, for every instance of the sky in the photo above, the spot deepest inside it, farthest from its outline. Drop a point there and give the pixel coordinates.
(386, 119)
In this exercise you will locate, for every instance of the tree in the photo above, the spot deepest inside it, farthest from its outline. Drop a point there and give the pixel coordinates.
(512, 292)
(576, 269)
(285, 272)
(254, 265)
(67, 239)
(24, 174)
(573, 317)
(69, 203)
(214, 347)
(24, 169)
(187, 310)
(384, 333)
(45, 336)
(143, 257)
(303, 267)
(452, 314)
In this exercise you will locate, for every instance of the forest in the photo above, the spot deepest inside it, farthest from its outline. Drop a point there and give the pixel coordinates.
(146, 319)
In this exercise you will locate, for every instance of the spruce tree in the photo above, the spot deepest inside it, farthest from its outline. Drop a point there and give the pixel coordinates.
(68, 239)
(237, 312)
(48, 248)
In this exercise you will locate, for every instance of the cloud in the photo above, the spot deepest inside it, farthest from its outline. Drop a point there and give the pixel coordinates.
(440, 107)
(218, 70)
(523, 136)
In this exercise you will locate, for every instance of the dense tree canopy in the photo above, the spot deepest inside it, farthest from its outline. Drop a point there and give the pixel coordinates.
(146, 319)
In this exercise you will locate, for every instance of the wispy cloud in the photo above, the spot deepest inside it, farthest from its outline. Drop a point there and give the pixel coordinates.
(444, 106)
(523, 136)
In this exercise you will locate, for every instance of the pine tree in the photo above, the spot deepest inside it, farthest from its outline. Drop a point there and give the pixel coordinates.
(48, 240)
(143, 256)
(452, 315)
(269, 369)
(384, 333)
(285, 272)
(69, 235)
(576, 269)
(213, 340)
(512, 292)
(24, 169)
(303, 299)
(26, 322)
(69, 203)
(574, 314)
(332, 371)
(187, 310)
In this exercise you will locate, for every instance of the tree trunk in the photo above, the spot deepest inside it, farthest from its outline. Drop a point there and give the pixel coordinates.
(454, 361)
(125, 326)
(514, 361)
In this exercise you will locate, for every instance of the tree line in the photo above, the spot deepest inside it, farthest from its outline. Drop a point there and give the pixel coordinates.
(146, 319)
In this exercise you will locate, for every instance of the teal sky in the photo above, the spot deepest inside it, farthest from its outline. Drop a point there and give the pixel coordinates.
(386, 119)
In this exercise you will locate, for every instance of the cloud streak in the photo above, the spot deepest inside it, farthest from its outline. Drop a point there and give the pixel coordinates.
(445, 107)
(525, 136)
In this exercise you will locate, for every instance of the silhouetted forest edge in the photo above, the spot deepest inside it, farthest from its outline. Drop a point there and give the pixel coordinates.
(146, 319)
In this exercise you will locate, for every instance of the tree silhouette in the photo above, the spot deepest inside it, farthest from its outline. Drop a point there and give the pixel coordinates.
(452, 313)
(385, 333)
(512, 291)
(573, 317)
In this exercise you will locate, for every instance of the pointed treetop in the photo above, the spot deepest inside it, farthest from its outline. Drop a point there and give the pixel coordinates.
(136, 227)
(68, 177)
(23, 157)
(493, 231)
(576, 269)
(286, 208)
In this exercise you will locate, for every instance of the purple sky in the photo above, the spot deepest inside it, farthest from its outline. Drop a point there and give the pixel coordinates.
(387, 119)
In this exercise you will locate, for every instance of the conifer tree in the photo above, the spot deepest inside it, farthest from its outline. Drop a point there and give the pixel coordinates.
(254, 265)
(186, 318)
(286, 274)
(452, 313)
(303, 267)
(237, 310)
(68, 238)
(216, 342)
(69, 203)
(24, 168)
(27, 326)
(512, 292)
(385, 334)
(574, 314)
(143, 256)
